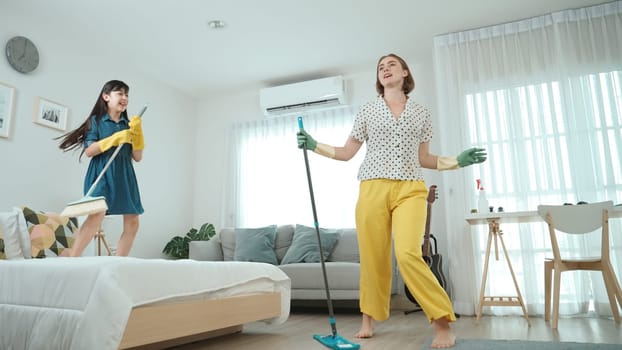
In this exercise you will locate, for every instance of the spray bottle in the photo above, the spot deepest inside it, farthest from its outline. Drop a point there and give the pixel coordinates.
(482, 201)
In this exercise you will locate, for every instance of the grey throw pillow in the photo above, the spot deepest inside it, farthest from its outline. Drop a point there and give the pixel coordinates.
(305, 247)
(255, 244)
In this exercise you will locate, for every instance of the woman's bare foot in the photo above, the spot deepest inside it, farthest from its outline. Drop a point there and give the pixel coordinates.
(444, 337)
(367, 328)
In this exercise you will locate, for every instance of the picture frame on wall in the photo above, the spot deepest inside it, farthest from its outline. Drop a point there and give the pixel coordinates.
(51, 114)
(7, 96)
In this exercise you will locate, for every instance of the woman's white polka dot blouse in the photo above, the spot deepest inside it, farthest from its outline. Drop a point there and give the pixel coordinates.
(392, 144)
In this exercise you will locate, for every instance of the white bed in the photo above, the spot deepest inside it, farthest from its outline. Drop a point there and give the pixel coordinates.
(113, 302)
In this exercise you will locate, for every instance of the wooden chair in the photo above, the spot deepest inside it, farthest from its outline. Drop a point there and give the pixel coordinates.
(578, 219)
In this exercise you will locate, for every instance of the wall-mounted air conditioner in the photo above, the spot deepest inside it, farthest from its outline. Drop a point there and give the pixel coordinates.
(302, 97)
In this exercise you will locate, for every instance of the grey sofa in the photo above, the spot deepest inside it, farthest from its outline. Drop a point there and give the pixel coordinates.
(307, 282)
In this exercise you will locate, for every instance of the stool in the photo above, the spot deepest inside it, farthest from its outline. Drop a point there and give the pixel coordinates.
(101, 239)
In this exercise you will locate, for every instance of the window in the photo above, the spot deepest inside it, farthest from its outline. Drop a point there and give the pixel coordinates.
(562, 144)
(270, 181)
(555, 138)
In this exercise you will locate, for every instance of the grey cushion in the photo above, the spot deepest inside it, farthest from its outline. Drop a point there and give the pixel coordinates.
(227, 240)
(347, 248)
(284, 235)
(305, 246)
(340, 275)
(205, 250)
(255, 244)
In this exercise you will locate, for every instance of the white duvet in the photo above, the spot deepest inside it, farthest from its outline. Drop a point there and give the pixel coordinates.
(84, 303)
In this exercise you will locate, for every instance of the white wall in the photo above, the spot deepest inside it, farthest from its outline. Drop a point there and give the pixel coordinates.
(36, 173)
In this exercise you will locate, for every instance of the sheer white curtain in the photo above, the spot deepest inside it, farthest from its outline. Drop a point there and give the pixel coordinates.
(267, 176)
(544, 97)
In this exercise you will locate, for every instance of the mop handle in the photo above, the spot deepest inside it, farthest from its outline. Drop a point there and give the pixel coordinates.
(329, 301)
(114, 155)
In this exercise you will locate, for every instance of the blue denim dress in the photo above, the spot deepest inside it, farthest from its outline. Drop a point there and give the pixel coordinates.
(118, 185)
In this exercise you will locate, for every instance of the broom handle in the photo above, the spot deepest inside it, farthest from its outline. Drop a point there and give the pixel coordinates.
(331, 312)
(114, 155)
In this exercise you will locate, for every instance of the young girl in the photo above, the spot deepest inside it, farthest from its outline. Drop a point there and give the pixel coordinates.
(106, 128)
(392, 197)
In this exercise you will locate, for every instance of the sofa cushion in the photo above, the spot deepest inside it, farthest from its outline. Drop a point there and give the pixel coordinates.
(227, 241)
(340, 275)
(305, 246)
(347, 248)
(255, 244)
(284, 235)
(226, 237)
(205, 250)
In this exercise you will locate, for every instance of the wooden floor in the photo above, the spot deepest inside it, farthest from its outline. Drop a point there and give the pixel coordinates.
(403, 331)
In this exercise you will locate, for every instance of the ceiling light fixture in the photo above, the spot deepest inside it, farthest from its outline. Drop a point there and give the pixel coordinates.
(216, 24)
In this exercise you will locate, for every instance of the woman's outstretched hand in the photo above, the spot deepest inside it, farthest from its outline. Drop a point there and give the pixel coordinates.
(471, 156)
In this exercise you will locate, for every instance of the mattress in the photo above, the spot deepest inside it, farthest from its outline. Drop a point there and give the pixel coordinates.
(84, 303)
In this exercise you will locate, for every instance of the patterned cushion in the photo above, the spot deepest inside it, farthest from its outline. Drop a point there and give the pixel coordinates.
(50, 233)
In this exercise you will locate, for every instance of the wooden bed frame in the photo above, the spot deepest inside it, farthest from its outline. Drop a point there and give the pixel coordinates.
(160, 326)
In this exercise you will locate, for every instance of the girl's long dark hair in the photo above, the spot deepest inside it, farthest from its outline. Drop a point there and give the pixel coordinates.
(75, 139)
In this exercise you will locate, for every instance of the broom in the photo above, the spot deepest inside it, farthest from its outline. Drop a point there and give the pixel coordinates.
(91, 205)
(333, 341)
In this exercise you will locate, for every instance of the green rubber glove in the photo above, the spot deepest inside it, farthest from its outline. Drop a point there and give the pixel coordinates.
(136, 130)
(471, 156)
(115, 139)
(305, 140)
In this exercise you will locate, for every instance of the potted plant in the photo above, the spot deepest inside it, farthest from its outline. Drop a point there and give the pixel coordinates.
(178, 247)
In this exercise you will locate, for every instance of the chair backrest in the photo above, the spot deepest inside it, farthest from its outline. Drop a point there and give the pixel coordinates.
(576, 219)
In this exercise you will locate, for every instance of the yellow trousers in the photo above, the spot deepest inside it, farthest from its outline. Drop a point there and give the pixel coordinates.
(398, 208)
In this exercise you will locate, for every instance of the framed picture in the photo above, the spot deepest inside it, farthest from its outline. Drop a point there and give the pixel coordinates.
(7, 95)
(50, 114)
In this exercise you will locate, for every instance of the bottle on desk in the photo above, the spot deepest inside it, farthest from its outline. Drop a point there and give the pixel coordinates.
(482, 202)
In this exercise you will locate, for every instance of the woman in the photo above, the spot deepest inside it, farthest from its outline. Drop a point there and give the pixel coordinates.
(392, 197)
(106, 128)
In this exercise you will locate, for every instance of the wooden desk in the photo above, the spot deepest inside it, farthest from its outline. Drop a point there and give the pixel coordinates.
(494, 220)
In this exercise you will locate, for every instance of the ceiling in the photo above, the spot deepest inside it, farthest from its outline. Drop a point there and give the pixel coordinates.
(265, 42)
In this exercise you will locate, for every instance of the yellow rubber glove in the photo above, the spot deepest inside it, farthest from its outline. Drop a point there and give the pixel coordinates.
(115, 139)
(136, 130)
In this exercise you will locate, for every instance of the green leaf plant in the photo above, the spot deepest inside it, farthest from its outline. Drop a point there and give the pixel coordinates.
(178, 247)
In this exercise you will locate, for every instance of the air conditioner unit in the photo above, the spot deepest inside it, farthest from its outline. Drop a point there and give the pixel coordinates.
(302, 97)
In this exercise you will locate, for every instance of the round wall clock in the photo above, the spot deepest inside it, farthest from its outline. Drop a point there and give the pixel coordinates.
(22, 54)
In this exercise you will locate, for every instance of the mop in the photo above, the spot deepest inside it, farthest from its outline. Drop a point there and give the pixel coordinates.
(334, 340)
(91, 205)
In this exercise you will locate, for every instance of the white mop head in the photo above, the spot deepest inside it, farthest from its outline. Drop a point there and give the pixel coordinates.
(85, 206)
